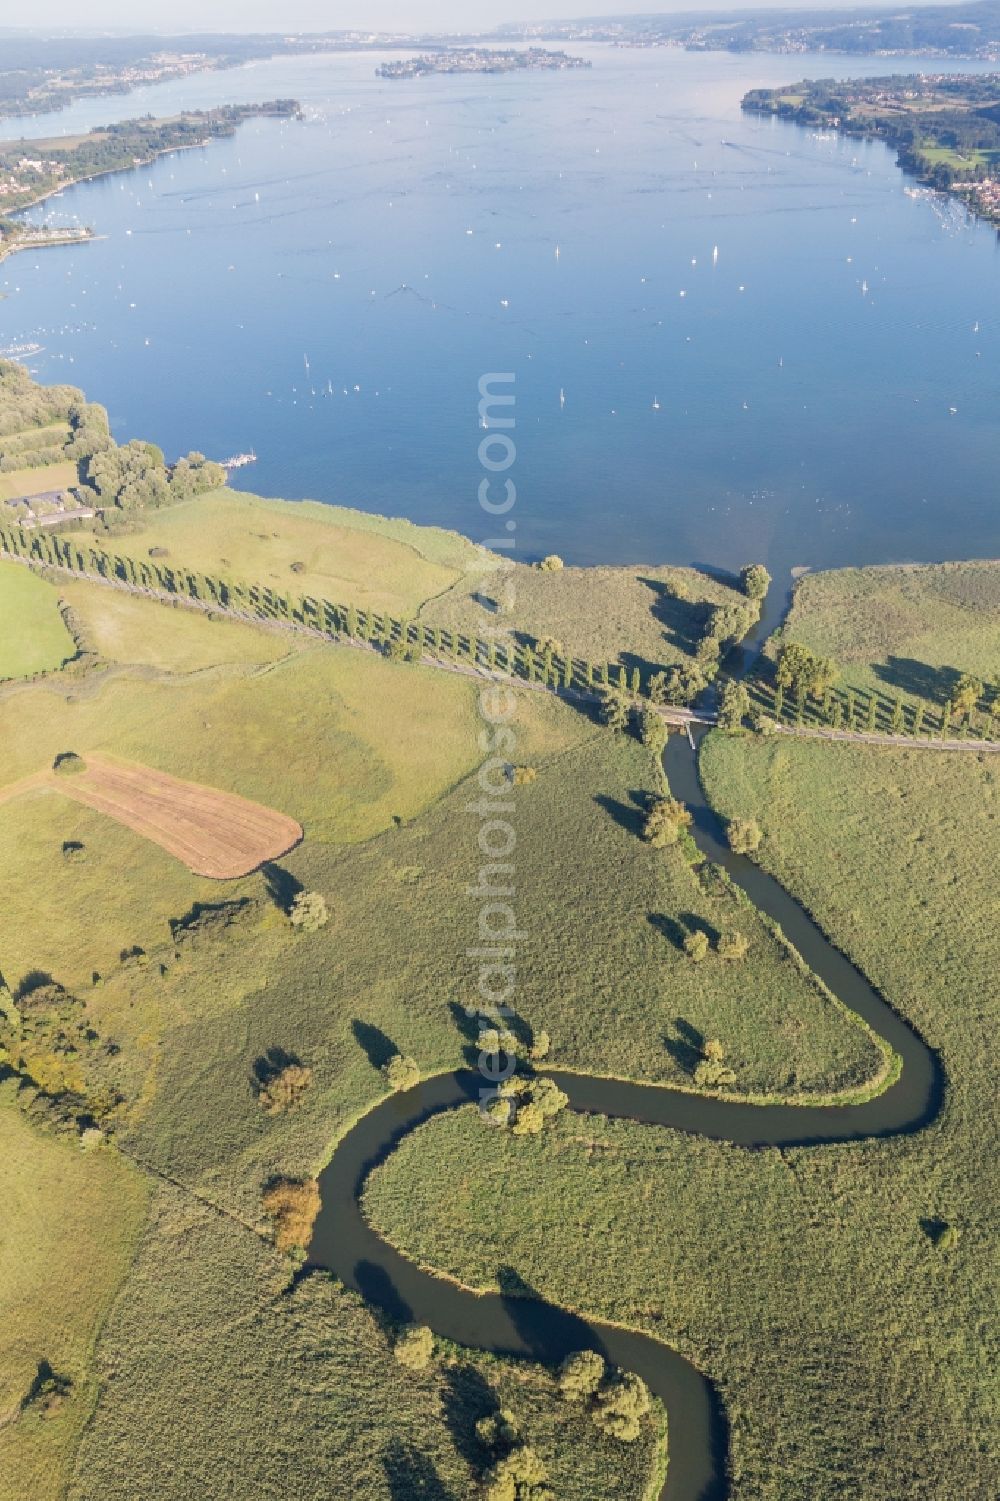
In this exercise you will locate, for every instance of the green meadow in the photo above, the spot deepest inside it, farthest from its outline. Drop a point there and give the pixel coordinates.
(850, 1339)
(811, 1286)
(33, 637)
(909, 632)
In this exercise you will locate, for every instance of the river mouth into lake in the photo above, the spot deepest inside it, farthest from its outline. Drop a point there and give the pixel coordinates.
(732, 337)
(513, 1322)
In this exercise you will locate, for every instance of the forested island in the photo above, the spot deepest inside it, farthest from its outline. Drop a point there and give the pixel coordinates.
(480, 60)
(946, 129)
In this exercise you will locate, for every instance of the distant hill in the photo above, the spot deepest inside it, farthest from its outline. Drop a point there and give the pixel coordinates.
(962, 30)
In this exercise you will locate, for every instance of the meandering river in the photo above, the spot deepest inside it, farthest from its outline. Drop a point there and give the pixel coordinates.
(732, 339)
(515, 1323)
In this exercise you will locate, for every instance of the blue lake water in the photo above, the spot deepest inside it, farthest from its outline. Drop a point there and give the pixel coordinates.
(329, 292)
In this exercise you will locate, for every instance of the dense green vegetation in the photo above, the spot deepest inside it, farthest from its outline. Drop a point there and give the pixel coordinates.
(55, 431)
(836, 1295)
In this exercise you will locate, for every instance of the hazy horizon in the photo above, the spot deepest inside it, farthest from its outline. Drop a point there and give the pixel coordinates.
(374, 15)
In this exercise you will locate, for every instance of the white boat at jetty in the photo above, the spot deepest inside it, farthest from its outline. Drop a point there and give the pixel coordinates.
(240, 460)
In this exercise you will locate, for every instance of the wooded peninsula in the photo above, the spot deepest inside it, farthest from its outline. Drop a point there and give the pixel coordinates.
(946, 129)
(31, 171)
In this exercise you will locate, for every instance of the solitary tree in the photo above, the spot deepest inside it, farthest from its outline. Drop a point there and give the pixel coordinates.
(734, 708)
(665, 819)
(696, 945)
(712, 1072)
(614, 711)
(309, 911)
(401, 1072)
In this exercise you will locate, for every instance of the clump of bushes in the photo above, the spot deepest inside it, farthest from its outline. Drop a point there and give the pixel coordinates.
(580, 1375)
(696, 945)
(292, 1205)
(744, 835)
(518, 1476)
(523, 1106)
(755, 580)
(68, 764)
(414, 1347)
(665, 818)
(73, 850)
(733, 945)
(49, 1392)
(552, 563)
(282, 1089)
(401, 1073)
(520, 776)
(651, 729)
(618, 1400)
(309, 911)
(621, 1404)
(540, 1047)
(498, 1430)
(712, 1072)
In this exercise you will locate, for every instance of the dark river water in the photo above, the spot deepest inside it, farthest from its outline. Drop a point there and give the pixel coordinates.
(758, 336)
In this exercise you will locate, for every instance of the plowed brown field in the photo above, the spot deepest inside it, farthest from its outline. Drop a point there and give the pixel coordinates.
(215, 833)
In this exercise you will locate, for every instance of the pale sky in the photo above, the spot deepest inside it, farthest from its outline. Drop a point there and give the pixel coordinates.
(330, 15)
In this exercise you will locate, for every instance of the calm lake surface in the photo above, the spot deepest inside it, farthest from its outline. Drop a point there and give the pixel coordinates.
(765, 347)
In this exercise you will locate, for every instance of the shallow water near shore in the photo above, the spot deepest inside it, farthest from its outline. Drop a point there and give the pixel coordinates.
(731, 337)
